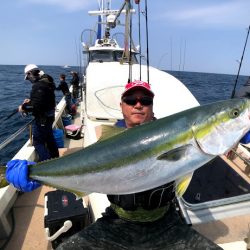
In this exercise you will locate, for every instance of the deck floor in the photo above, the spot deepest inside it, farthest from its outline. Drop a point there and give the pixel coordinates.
(29, 230)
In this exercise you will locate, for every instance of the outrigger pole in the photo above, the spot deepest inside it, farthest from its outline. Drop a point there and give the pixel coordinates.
(139, 28)
(236, 81)
(146, 10)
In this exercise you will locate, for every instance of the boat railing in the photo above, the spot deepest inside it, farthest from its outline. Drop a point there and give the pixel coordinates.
(217, 210)
(60, 109)
(88, 38)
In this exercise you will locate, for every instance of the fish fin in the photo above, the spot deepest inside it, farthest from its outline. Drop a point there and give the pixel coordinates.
(3, 181)
(182, 184)
(78, 194)
(109, 131)
(174, 154)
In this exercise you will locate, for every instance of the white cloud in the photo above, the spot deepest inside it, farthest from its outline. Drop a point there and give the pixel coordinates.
(69, 5)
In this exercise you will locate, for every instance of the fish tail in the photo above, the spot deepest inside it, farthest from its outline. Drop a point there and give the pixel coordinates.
(3, 181)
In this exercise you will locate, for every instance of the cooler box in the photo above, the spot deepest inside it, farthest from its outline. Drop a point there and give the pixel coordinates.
(64, 216)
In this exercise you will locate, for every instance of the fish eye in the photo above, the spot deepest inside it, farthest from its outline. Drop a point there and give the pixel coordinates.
(234, 113)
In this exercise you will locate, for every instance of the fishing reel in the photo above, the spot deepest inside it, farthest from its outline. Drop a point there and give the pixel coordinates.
(27, 107)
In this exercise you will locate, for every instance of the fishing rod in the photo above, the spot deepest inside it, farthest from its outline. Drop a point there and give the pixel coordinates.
(236, 81)
(147, 42)
(13, 136)
(15, 111)
(139, 29)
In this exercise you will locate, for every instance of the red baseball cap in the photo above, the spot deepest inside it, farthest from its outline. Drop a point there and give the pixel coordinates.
(137, 84)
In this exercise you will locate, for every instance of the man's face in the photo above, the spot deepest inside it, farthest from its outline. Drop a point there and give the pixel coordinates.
(33, 76)
(138, 108)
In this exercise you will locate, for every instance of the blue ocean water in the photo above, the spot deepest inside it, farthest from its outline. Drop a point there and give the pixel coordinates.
(206, 87)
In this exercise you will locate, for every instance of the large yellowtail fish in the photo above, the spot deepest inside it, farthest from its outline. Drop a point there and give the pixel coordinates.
(148, 155)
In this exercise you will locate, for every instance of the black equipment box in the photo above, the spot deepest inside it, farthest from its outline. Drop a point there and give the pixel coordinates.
(61, 206)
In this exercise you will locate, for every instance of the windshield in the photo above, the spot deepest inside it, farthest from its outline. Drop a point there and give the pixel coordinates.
(109, 56)
(101, 55)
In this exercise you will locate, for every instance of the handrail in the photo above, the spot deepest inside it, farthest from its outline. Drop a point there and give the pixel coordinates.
(246, 161)
(13, 136)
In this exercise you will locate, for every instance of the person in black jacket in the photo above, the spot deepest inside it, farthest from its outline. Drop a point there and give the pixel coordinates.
(63, 86)
(75, 83)
(42, 105)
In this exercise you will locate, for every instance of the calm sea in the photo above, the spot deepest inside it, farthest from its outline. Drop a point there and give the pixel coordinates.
(206, 87)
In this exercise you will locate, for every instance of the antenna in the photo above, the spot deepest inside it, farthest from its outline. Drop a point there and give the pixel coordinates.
(184, 55)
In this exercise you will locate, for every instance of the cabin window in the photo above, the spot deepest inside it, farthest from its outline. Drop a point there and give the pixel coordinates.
(118, 57)
(109, 56)
(101, 56)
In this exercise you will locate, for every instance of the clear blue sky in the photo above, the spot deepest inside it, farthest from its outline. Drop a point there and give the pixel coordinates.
(206, 36)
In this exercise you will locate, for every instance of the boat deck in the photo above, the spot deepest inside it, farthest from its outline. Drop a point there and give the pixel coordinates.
(28, 211)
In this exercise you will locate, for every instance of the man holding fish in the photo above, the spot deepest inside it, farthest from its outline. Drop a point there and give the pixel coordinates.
(135, 220)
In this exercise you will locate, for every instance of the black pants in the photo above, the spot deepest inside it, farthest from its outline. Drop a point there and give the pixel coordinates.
(110, 232)
(43, 139)
(68, 103)
(75, 92)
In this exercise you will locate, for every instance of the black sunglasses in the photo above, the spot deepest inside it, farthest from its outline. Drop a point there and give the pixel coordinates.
(32, 72)
(132, 100)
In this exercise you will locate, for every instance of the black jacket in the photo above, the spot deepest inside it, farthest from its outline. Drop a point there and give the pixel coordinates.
(63, 86)
(42, 96)
(75, 81)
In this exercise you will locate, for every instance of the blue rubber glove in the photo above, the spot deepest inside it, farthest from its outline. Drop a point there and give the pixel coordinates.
(246, 138)
(17, 175)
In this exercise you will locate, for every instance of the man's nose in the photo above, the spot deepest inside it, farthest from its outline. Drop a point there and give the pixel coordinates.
(138, 105)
